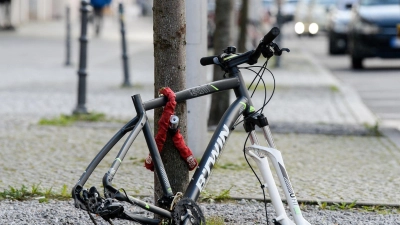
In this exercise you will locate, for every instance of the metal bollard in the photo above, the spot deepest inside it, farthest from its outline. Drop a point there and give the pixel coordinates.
(126, 82)
(279, 23)
(68, 36)
(83, 40)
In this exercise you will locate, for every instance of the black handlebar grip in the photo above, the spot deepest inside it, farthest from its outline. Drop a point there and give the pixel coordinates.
(272, 34)
(209, 60)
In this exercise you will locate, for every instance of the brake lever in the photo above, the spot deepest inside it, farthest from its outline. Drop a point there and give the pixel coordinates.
(277, 50)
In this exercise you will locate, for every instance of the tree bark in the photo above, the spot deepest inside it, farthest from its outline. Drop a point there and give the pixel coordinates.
(243, 26)
(222, 39)
(169, 36)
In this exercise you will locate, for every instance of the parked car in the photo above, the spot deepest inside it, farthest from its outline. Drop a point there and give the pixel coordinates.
(311, 16)
(337, 27)
(302, 18)
(288, 9)
(374, 30)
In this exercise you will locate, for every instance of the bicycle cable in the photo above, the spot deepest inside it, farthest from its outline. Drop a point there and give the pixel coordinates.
(258, 178)
(90, 215)
(259, 75)
(262, 70)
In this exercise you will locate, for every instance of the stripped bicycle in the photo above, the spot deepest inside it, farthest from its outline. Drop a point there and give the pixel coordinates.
(184, 209)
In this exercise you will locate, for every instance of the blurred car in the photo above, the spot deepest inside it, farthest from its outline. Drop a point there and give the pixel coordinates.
(302, 17)
(337, 27)
(288, 9)
(311, 16)
(374, 30)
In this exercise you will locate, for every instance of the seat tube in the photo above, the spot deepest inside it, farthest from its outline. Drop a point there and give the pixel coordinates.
(154, 153)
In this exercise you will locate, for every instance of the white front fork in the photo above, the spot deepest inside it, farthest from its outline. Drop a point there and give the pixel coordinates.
(258, 153)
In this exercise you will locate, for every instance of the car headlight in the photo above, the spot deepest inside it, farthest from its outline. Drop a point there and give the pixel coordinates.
(299, 28)
(313, 28)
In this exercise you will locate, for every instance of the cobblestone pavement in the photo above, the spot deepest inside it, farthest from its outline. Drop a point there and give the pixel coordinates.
(345, 167)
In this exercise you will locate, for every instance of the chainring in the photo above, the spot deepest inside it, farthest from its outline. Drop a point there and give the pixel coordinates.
(186, 208)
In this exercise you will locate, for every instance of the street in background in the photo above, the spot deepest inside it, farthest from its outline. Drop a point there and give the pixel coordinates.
(374, 31)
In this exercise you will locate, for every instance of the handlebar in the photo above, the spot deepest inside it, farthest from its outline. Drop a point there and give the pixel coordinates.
(208, 60)
(271, 35)
(250, 57)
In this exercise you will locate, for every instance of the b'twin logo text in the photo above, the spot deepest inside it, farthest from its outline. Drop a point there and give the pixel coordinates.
(211, 160)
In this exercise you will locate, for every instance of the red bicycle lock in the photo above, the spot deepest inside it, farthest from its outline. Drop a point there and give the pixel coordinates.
(163, 126)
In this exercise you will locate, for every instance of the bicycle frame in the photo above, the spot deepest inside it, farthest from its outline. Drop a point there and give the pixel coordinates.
(241, 106)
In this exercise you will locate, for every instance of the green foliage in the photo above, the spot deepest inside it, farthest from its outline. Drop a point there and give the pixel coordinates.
(322, 205)
(62, 120)
(35, 189)
(337, 206)
(343, 206)
(381, 209)
(65, 120)
(34, 193)
(334, 88)
(48, 192)
(373, 129)
(43, 200)
(14, 193)
(215, 220)
(65, 193)
(353, 206)
(212, 197)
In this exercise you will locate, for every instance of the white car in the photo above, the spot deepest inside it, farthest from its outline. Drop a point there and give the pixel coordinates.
(311, 16)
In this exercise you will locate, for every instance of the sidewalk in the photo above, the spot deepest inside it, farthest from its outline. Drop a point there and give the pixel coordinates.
(309, 105)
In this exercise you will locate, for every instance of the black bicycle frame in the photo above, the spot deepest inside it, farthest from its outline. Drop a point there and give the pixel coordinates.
(140, 122)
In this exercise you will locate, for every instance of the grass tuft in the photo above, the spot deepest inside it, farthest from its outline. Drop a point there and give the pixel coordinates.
(35, 192)
(65, 120)
(373, 129)
(215, 220)
(224, 195)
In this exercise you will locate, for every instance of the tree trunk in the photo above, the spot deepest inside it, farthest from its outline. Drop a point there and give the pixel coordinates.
(169, 27)
(243, 26)
(222, 39)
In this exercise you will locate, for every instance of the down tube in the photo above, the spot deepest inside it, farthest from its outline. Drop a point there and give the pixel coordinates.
(214, 148)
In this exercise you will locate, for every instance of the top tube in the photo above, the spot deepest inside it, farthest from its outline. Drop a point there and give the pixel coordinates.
(195, 92)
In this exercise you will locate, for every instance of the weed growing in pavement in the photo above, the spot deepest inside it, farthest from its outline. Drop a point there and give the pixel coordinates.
(336, 206)
(224, 195)
(43, 195)
(353, 206)
(215, 220)
(334, 88)
(381, 209)
(322, 205)
(373, 129)
(344, 206)
(65, 120)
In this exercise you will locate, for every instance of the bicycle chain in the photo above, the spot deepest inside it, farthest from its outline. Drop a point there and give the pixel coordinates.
(186, 208)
